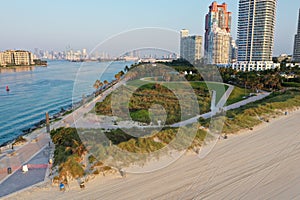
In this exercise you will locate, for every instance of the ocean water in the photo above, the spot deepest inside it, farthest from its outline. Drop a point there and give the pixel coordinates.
(46, 89)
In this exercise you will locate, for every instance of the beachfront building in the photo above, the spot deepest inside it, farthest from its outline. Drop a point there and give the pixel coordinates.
(256, 27)
(2, 59)
(217, 44)
(16, 58)
(296, 54)
(218, 51)
(190, 46)
(254, 66)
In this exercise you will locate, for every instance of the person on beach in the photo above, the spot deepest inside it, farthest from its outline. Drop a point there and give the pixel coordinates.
(123, 173)
(62, 187)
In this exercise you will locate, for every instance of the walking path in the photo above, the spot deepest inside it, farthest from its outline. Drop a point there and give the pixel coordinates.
(19, 180)
(16, 158)
(226, 108)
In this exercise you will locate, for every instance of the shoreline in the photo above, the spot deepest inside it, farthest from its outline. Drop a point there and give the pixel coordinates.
(14, 69)
(57, 116)
(42, 123)
(24, 66)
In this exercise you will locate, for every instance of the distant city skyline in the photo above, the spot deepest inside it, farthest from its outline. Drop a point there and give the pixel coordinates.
(55, 25)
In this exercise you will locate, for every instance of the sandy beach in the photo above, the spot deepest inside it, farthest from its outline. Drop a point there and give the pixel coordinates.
(258, 164)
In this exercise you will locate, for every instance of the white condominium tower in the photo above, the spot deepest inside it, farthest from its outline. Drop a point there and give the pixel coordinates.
(296, 54)
(256, 27)
(190, 46)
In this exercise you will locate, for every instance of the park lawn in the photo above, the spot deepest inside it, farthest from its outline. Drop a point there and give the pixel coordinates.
(291, 84)
(237, 95)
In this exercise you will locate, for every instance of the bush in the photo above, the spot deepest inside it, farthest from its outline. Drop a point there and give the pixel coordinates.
(19, 140)
(91, 159)
(68, 152)
(72, 168)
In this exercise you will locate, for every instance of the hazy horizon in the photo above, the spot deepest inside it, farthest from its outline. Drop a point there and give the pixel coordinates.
(57, 24)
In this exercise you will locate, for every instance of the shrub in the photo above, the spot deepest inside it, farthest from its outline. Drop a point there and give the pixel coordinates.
(20, 140)
(91, 159)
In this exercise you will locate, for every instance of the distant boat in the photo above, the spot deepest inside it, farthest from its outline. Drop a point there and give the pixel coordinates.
(7, 89)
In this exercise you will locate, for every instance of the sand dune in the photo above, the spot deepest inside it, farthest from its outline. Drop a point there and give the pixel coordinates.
(262, 164)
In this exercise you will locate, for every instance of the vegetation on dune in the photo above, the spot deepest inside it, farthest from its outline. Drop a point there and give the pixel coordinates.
(255, 113)
(152, 94)
(125, 148)
(71, 157)
(102, 145)
(68, 153)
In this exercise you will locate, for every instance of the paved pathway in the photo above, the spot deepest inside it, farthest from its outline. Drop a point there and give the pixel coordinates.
(36, 174)
(17, 158)
(226, 108)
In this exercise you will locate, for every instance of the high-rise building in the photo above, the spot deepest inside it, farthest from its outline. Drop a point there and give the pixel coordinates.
(217, 34)
(233, 51)
(190, 46)
(84, 54)
(218, 51)
(256, 27)
(296, 54)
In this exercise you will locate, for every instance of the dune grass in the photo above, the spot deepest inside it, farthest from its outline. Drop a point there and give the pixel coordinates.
(258, 112)
(146, 94)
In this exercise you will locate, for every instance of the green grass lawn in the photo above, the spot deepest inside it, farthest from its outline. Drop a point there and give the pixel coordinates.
(291, 84)
(237, 95)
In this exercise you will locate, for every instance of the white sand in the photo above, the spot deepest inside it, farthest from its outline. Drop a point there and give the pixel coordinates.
(261, 164)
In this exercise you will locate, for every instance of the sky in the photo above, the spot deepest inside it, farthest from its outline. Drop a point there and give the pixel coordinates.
(57, 24)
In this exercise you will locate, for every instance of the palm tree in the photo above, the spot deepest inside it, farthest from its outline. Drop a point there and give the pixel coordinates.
(105, 83)
(118, 76)
(126, 69)
(100, 85)
(97, 84)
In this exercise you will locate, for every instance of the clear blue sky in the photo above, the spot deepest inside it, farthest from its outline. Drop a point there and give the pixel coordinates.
(55, 24)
